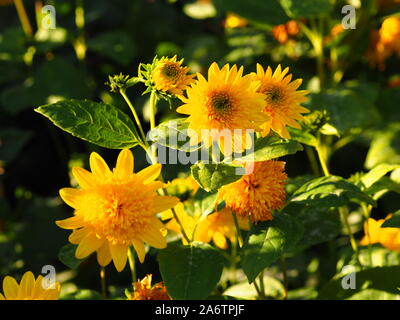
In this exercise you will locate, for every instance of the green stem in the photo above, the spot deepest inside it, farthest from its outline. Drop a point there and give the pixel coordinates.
(313, 161)
(103, 282)
(262, 289)
(238, 232)
(23, 17)
(257, 289)
(135, 116)
(153, 105)
(322, 160)
(131, 259)
(344, 212)
(285, 278)
(367, 213)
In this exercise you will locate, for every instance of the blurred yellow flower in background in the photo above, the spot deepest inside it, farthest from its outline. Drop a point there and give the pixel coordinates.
(170, 76)
(256, 194)
(143, 290)
(233, 21)
(387, 237)
(221, 108)
(282, 101)
(115, 209)
(283, 32)
(29, 289)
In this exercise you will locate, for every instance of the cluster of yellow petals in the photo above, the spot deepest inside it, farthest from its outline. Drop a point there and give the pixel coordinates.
(257, 194)
(170, 76)
(385, 42)
(387, 237)
(233, 21)
(115, 209)
(282, 100)
(283, 32)
(29, 289)
(143, 290)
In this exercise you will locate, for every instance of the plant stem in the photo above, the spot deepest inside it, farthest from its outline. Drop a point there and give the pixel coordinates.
(344, 212)
(238, 232)
(131, 259)
(135, 116)
(322, 160)
(103, 282)
(153, 105)
(23, 17)
(285, 278)
(262, 289)
(313, 161)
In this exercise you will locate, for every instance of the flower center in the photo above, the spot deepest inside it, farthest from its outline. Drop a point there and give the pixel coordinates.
(275, 95)
(171, 71)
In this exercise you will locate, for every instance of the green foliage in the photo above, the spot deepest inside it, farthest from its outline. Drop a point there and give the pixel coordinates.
(268, 148)
(393, 222)
(331, 191)
(186, 270)
(267, 242)
(98, 123)
(212, 176)
(67, 256)
(306, 8)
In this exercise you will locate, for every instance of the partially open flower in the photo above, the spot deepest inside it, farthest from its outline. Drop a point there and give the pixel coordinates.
(143, 290)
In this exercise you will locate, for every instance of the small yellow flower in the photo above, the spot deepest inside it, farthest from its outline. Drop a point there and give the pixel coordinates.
(256, 194)
(282, 102)
(233, 21)
(170, 76)
(225, 102)
(29, 289)
(387, 237)
(182, 186)
(218, 227)
(115, 209)
(390, 33)
(143, 290)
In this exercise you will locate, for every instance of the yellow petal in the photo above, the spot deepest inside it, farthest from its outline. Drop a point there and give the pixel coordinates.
(220, 240)
(85, 178)
(77, 235)
(98, 166)
(162, 203)
(38, 289)
(125, 163)
(88, 245)
(119, 253)
(2, 297)
(152, 235)
(71, 196)
(104, 254)
(10, 288)
(150, 173)
(140, 250)
(74, 222)
(26, 285)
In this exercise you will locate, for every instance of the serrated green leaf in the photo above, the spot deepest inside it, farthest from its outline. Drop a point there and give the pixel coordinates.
(173, 134)
(306, 8)
(67, 256)
(267, 242)
(98, 123)
(186, 270)
(331, 191)
(268, 148)
(212, 176)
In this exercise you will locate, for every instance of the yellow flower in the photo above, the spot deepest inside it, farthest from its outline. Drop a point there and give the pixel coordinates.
(187, 221)
(218, 227)
(387, 237)
(282, 102)
(390, 33)
(143, 290)
(29, 289)
(256, 194)
(233, 21)
(169, 76)
(182, 186)
(115, 209)
(225, 102)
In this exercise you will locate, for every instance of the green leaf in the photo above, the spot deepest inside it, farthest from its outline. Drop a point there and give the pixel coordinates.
(376, 173)
(306, 8)
(205, 201)
(303, 136)
(186, 270)
(382, 186)
(393, 222)
(264, 13)
(212, 176)
(267, 242)
(173, 134)
(370, 284)
(67, 256)
(331, 191)
(268, 148)
(98, 123)
(117, 45)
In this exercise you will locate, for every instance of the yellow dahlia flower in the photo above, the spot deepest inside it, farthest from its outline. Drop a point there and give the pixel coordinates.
(169, 76)
(218, 227)
(143, 290)
(387, 237)
(225, 102)
(256, 194)
(29, 289)
(282, 102)
(115, 209)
